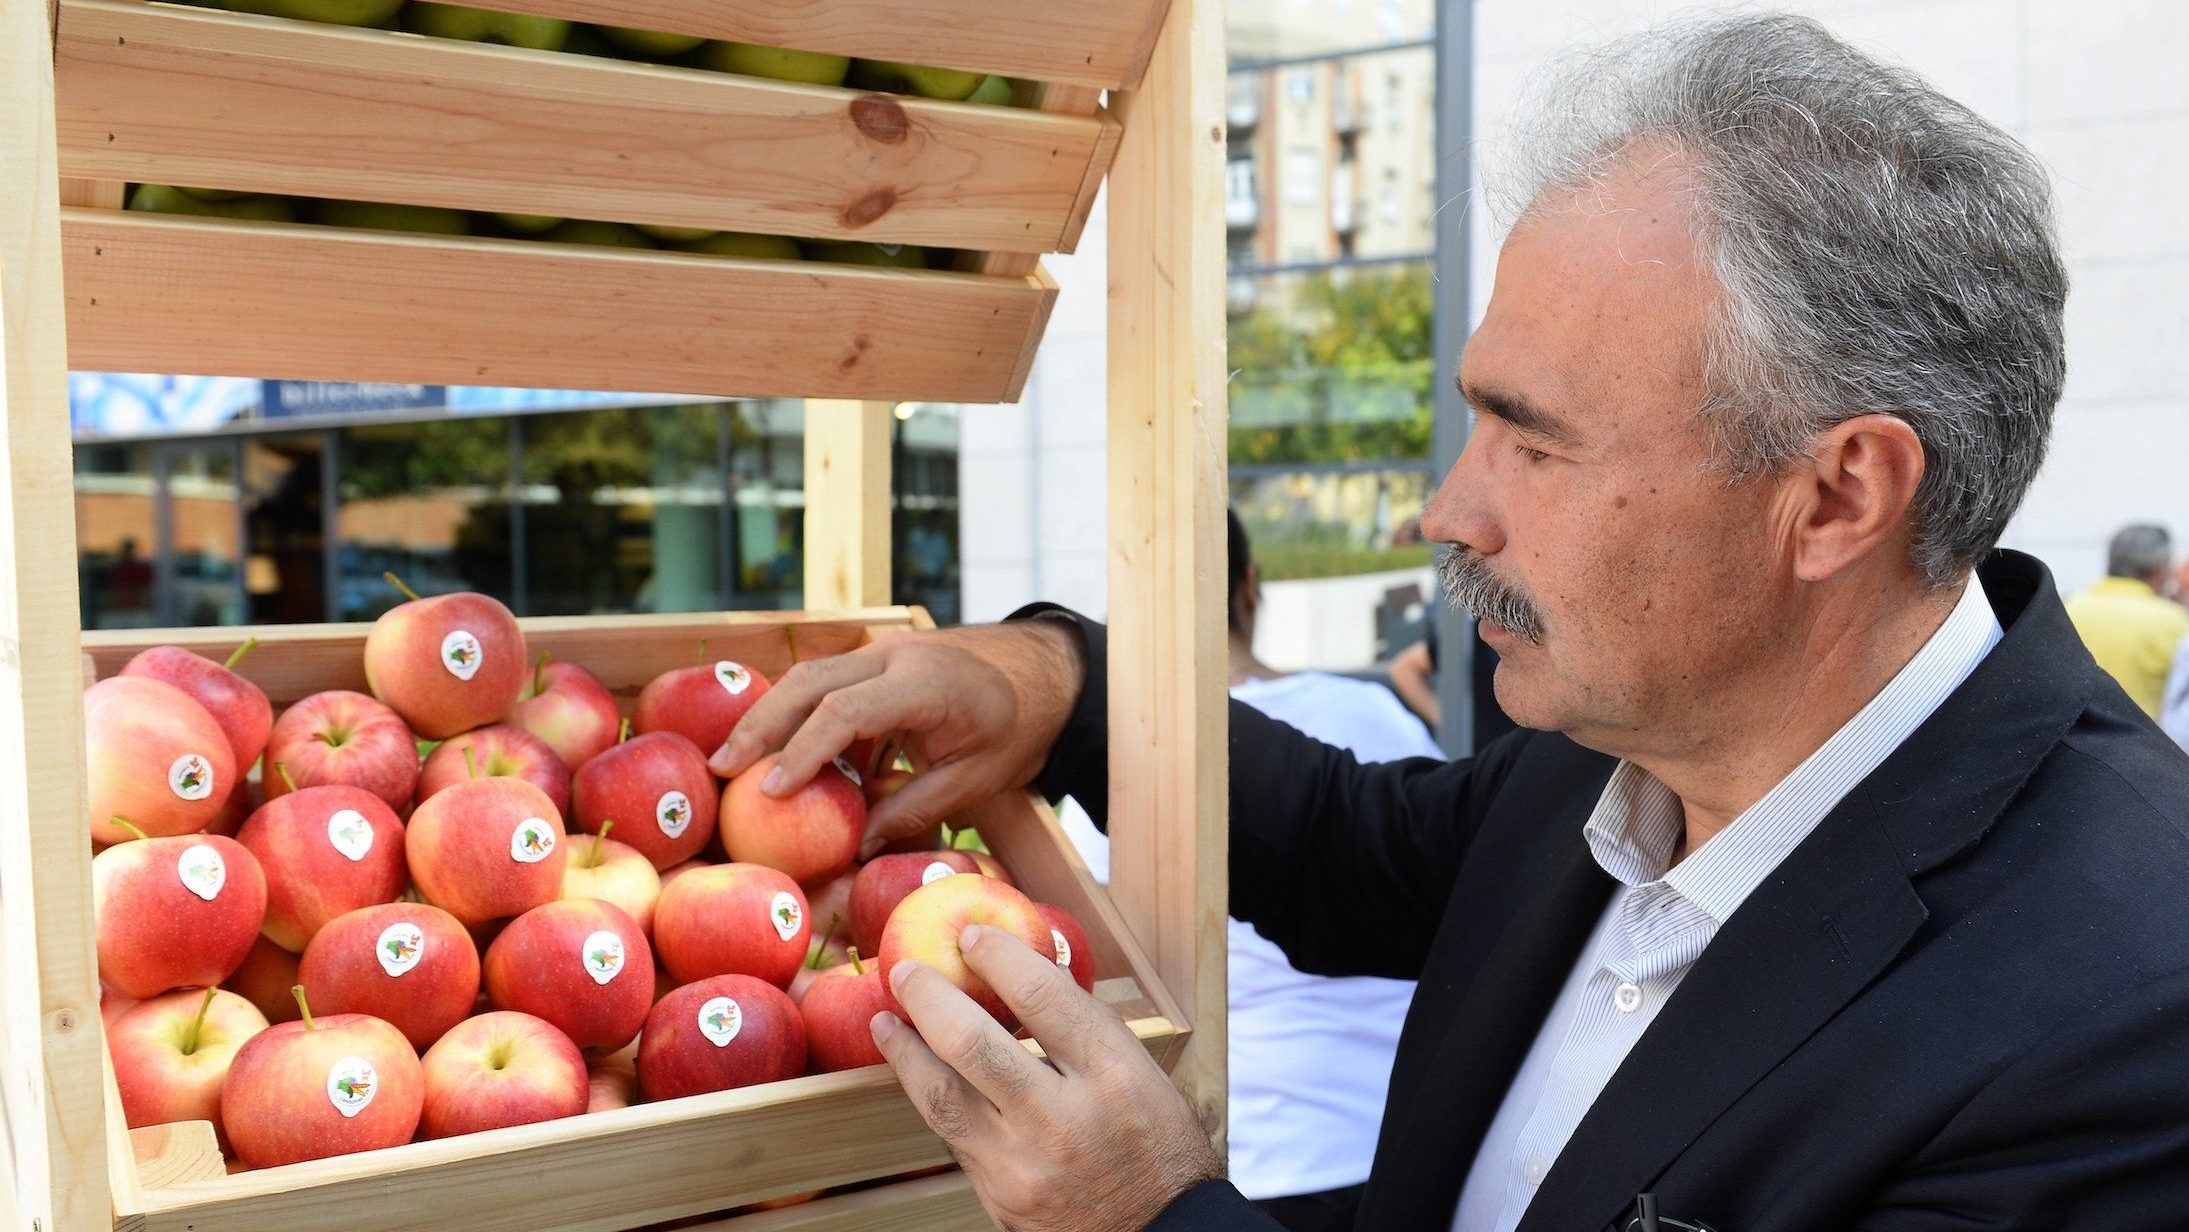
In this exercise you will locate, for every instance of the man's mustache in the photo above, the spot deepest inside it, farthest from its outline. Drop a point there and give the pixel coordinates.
(1464, 576)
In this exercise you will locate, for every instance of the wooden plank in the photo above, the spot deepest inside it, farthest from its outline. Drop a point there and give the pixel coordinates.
(214, 296)
(184, 96)
(94, 194)
(1065, 100)
(52, 1098)
(122, 1150)
(847, 503)
(1168, 720)
(942, 1203)
(177, 1154)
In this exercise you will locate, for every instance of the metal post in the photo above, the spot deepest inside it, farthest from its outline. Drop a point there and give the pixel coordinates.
(1454, 314)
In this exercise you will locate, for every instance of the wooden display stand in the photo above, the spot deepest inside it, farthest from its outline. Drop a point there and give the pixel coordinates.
(96, 93)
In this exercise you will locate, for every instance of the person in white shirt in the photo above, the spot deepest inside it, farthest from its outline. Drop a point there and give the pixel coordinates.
(1310, 1056)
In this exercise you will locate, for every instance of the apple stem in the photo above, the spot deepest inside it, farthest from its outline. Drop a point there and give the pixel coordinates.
(607, 824)
(949, 837)
(240, 651)
(125, 824)
(282, 769)
(857, 967)
(470, 764)
(397, 582)
(623, 732)
(197, 1025)
(835, 921)
(297, 991)
(790, 640)
(539, 674)
(702, 652)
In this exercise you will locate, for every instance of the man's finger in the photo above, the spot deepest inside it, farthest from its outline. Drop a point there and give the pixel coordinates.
(869, 707)
(780, 711)
(1076, 1030)
(951, 1107)
(967, 1040)
(915, 807)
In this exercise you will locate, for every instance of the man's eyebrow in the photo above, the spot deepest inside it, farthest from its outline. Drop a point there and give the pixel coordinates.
(1519, 413)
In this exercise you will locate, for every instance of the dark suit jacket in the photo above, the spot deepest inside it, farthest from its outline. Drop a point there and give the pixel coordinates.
(1961, 1003)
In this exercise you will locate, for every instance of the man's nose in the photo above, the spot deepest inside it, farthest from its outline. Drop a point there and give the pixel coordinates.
(1462, 510)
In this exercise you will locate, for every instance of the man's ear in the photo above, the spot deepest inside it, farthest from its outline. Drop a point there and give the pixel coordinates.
(1852, 494)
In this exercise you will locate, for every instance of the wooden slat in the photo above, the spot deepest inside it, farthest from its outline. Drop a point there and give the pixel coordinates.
(932, 1204)
(847, 504)
(1065, 100)
(52, 1098)
(177, 1154)
(122, 1149)
(156, 294)
(1168, 713)
(183, 96)
(94, 194)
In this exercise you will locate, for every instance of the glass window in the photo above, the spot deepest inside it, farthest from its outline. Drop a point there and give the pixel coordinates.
(285, 572)
(201, 556)
(428, 501)
(116, 536)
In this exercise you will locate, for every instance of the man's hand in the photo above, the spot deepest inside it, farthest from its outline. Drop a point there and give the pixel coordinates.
(1100, 1143)
(982, 705)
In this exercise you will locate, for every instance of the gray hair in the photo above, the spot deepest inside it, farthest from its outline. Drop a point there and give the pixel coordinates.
(1879, 248)
(2139, 550)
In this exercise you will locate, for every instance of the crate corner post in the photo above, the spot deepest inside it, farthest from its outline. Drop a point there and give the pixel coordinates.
(847, 542)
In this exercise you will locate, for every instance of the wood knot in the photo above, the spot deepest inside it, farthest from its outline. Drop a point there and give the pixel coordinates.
(859, 345)
(881, 118)
(870, 207)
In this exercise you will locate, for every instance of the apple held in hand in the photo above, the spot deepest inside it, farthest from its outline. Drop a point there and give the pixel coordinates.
(570, 709)
(658, 791)
(925, 929)
(614, 873)
(812, 834)
(732, 918)
(717, 1034)
(155, 760)
(500, 1069)
(319, 1087)
(325, 851)
(174, 912)
(1073, 952)
(240, 707)
(496, 751)
(887, 879)
(410, 965)
(446, 664)
(838, 1008)
(172, 1053)
(488, 849)
(340, 738)
(584, 966)
(699, 703)
(265, 979)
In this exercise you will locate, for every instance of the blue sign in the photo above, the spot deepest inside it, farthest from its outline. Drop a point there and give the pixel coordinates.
(313, 399)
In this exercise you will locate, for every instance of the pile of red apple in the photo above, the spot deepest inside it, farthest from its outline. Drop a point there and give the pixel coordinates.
(379, 948)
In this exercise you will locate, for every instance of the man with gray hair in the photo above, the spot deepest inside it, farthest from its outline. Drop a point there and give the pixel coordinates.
(2132, 630)
(1835, 887)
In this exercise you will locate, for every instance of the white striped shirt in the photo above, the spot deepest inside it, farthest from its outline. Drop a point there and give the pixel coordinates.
(1654, 931)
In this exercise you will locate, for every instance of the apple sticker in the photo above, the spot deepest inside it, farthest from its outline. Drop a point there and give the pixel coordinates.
(191, 777)
(1063, 947)
(461, 654)
(350, 833)
(935, 872)
(735, 677)
(351, 1084)
(673, 813)
(720, 1020)
(532, 841)
(785, 913)
(401, 946)
(602, 954)
(203, 872)
(848, 771)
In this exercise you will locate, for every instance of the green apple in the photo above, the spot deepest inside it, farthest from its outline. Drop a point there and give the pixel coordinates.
(753, 60)
(676, 235)
(166, 199)
(741, 244)
(384, 216)
(456, 21)
(653, 44)
(943, 83)
(528, 224)
(331, 12)
(608, 234)
(893, 256)
(215, 194)
(995, 90)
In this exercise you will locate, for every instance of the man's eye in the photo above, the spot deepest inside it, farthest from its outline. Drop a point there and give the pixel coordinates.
(1532, 455)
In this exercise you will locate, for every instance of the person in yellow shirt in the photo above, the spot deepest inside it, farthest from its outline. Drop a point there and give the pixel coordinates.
(2131, 629)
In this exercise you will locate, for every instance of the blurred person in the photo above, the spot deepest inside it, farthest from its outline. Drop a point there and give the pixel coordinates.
(2133, 630)
(1309, 1056)
(1414, 677)
(2174, 705)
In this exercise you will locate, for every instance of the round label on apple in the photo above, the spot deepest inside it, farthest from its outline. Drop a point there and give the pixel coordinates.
(673, 813)
(191, 777)
(786, 913)
(351, 1084)
(846, 769)
(735, 677)
(461, 654)
(935, 872)
(532, 841)
(602, 954)
(350, 833)
(402, 946)
(720, 1020)
(202, 871)
(1063, 947)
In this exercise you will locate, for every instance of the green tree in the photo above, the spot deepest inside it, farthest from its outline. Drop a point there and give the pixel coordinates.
(1336, 367)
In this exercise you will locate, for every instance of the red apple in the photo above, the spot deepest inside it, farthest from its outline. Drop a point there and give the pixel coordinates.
(732, 918)
(319, 1087)
(990, 866)
(657, 790)
(831, 898)
(446, 664)
(155, 759)
(112, 1005)
(838, 1010)
(689, 866)
(1073, 952)
(925, 929)
(410, 965)
(174, 912)
(172, 1053)
(699, 703)
(812, 834)
(584, 966)
(497, 1070)
(570, 709)
(487, 849)
(886, 879)
(265, 979)
(239, 706)
(828, 950)
(499, 751)
(612, 1082)
(242, 802)
(340, 738)
(719, 1033)
(612, 872)
(325, 851)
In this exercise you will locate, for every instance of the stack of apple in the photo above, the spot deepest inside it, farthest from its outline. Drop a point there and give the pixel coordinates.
(557, 910)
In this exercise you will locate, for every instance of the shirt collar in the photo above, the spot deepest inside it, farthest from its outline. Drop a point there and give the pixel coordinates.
(1637, 822)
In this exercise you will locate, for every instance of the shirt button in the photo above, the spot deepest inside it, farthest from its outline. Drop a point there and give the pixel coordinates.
(1628, 998)
(1536, 1171)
